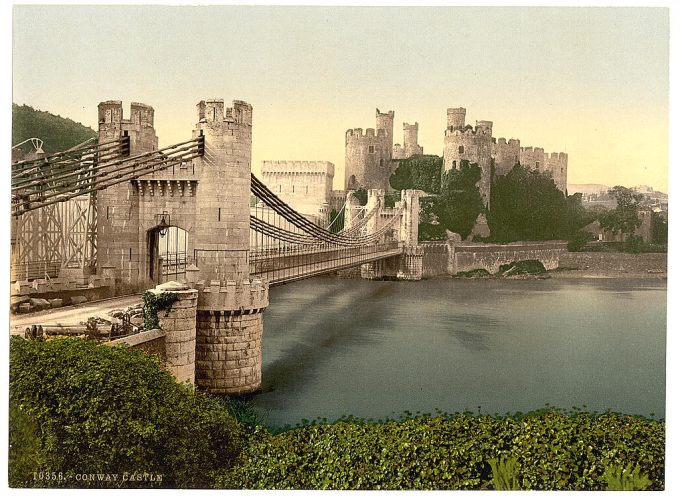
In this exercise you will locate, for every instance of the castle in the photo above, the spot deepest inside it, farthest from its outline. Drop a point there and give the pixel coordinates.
(371, 158)
(495, 157)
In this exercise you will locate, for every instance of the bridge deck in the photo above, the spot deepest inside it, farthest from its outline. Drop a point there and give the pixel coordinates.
(282, 268)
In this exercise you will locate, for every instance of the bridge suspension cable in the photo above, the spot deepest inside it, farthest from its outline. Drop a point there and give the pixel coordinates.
(60, 177)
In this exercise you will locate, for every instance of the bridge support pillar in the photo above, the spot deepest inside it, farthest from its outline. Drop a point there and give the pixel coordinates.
(229, 336)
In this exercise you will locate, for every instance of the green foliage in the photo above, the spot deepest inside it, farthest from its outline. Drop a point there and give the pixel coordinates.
(624, 218)
(505, 474)
(452, 451)
(659, 229)
(625, 478)
(460, 202)
(428, 227)
(58, 134)
(361, 195)
(528, 267)
(153, 303)
(419, 172)
(526, 205)
(337, 220)
(476, 273)
(82, 407)
(391, 198)
(579, 241)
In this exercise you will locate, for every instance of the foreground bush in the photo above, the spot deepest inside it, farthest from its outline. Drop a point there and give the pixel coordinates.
(81, 408)
(550, 451)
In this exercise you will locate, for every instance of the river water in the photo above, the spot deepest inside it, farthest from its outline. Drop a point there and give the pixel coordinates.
(375, 349)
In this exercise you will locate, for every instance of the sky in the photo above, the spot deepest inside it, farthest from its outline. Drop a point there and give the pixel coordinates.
(592, 82)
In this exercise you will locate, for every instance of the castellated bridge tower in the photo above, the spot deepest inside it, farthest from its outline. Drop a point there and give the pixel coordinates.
(230, 304)
(209, 198)
(368, 156)
(121, 249)
(463, 142)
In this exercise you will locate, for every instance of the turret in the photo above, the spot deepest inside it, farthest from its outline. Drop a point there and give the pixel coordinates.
(455, 118)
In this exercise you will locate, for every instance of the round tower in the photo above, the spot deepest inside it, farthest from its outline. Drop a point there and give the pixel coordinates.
(385, 121)
(455, 118)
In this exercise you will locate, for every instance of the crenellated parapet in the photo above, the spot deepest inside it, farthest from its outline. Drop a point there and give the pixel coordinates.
(248, 296)
(506, 155)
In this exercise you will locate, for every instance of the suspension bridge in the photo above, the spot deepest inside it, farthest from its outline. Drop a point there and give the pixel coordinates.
(103, 210)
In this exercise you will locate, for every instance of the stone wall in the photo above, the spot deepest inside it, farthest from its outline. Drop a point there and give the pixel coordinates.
(467, 256)
(619, 262)
(435, 259)
(152, 342)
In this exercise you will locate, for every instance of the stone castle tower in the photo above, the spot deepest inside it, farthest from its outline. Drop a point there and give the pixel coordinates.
(463, 142)
(411, 146)
(368, 156)
(304, 185)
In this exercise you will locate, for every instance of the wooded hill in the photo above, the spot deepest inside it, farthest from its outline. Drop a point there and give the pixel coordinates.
(58, 133)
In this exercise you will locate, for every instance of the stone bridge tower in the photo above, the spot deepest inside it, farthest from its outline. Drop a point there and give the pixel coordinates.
(209, 198)
(230, 303)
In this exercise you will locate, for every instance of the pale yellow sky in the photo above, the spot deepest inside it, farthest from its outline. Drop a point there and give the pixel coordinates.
(589, 81)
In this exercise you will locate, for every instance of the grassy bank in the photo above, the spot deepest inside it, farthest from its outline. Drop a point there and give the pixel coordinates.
(79, 408)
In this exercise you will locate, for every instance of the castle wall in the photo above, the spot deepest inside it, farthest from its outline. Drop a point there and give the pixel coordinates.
(506, 155)
(305, 186)
(209, 197)
(556, 164)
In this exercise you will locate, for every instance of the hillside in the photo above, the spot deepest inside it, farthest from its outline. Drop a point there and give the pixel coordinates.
(58, 133)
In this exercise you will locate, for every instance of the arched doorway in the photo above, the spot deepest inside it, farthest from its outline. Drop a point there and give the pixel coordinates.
(167, 256)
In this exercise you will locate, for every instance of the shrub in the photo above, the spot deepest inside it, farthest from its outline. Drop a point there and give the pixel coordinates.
(79, 407)
(553, 451)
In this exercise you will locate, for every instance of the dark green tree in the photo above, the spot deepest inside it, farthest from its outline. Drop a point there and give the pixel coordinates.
(361, 195)
(526, 205)
(419, 172)
(659, 229)
(337, 221)
(624, 218)
(459, 202)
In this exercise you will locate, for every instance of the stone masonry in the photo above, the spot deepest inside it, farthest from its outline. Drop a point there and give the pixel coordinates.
(208, 197)
(179, 325)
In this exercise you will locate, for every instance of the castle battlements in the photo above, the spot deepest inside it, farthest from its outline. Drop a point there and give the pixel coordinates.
(358, 134)
(298, 167)
(213, 110)
(468, 130)
(111, 112)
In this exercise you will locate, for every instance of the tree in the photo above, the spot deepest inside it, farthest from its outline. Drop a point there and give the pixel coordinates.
(459, 202)
(337, 221)
(419, 172)
(526, 205)
(361, 195)
(624, 218)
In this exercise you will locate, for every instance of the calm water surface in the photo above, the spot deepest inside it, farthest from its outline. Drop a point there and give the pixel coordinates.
(374, 349)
